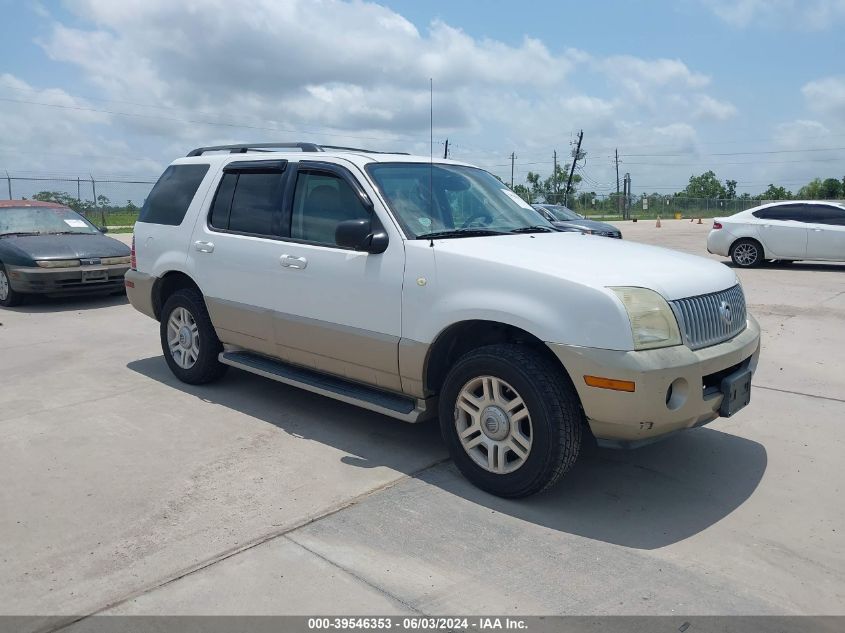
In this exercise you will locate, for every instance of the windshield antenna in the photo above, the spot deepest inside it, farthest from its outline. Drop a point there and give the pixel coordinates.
(431, 152)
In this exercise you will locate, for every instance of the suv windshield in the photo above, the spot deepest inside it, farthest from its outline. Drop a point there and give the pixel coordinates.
(40, 220)
(461, 201)
(559, 213)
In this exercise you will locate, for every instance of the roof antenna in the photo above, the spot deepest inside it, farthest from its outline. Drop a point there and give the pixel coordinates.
(431, 153)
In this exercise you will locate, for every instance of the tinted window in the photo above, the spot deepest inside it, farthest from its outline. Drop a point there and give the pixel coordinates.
(223, 202)
(248, 203)
(823, 214)
(783, 212)
(321, 202)
(170, 198)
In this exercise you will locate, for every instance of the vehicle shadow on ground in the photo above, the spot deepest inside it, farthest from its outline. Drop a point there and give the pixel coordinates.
(833, 267)
(645, 499)
(40, 304)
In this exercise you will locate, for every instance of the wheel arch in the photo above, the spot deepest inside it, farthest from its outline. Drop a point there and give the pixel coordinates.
(748, 238)
(464, 336)
(166, 285)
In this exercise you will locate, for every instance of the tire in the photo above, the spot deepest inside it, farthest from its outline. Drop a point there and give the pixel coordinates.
(747, 253)
(549, 417)
(193, 357)
(9, 298)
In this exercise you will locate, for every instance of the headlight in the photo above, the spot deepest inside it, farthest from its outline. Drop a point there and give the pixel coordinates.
(58, 263)
(653, 323)
(108, 261)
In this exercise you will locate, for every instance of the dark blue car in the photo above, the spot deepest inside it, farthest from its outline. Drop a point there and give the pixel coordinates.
(47, 248)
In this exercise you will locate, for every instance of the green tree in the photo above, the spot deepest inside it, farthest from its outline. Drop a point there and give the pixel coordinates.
(704, 186)
(812, 190)
(730, 189)
(775, 193)
(523, 192)
(830, 189)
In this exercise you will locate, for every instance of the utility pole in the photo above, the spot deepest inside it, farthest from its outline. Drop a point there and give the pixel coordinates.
(626, 196)
(9, 181)
(446, 149)
(554, 178)
(618, 199)
(513, 158)
(575, 156)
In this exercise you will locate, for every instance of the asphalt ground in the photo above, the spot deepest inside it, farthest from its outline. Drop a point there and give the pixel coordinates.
(125, 491)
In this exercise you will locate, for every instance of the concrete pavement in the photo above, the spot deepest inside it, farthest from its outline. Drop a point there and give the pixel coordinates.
(125, 491)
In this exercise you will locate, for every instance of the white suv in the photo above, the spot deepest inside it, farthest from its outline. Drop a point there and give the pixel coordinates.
(419, 289)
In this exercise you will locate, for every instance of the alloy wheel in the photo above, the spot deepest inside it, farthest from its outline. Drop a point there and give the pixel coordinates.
(4, 286)
(493, 424)
(746, 254)
(183, 338)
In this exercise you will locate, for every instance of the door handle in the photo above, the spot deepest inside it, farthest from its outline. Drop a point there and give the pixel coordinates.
(818, 230)
(204, 247)
(291, 261)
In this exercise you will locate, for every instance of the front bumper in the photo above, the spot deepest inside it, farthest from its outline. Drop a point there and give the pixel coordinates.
(630, 418)
(66, 281)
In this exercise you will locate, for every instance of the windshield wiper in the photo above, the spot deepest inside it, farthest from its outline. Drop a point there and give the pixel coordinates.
(19, 233)
(467, 232)
(537, 228)
(70, 233)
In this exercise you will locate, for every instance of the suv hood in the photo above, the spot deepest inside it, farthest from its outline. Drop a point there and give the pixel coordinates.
(591, 261)
(66, 246)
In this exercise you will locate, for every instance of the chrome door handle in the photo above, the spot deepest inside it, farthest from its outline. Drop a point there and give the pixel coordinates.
(291, 261)
(204, 247)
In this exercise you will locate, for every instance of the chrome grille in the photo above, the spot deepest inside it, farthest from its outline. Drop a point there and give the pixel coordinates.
(710, 319)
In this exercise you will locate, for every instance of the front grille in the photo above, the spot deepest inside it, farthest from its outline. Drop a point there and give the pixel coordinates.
(710, 319)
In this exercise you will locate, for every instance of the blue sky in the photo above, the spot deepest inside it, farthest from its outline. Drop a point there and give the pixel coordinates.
(743, 87)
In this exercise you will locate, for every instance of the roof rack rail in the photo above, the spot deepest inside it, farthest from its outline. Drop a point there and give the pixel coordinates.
(243, 148)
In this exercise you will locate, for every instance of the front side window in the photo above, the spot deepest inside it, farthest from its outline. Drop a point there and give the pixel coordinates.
(172, 194)
(43, 220)
(459, 200)
(827, 214)
(321, 201)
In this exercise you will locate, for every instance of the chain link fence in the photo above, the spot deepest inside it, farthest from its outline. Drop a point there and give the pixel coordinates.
(613, 207)
(107, 202)
(115, 203)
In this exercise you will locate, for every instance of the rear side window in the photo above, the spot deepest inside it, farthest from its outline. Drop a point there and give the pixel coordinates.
(172, 194)
(248, 203)
(797, 213)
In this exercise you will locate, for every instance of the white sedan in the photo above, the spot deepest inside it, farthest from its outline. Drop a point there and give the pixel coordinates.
(782, 231)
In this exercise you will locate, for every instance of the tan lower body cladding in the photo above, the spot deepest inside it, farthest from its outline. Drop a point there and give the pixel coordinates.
(356, 354)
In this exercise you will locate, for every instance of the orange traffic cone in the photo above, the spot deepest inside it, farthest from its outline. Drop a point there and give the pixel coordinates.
(658, 222)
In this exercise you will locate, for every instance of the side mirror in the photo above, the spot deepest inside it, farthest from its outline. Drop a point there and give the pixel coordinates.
(358, 235)
(103, 229)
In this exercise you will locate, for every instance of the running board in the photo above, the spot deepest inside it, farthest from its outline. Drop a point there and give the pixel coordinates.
(404, 408)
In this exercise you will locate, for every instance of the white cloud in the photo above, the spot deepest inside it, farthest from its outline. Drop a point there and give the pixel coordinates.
(357, 73)
(706, 107)
(826, 96)
(805, 14)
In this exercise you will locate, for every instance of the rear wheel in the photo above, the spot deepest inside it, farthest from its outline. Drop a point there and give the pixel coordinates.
(747, 253)
(8, 297)
(510, 419)
(188, 339)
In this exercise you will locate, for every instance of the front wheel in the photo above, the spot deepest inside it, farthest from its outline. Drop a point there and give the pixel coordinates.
(188, 339)
(510, 419)
(8, 297)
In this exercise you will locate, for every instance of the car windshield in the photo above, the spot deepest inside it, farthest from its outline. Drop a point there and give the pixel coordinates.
(41, 220)
(561, 214)
(435, 198)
